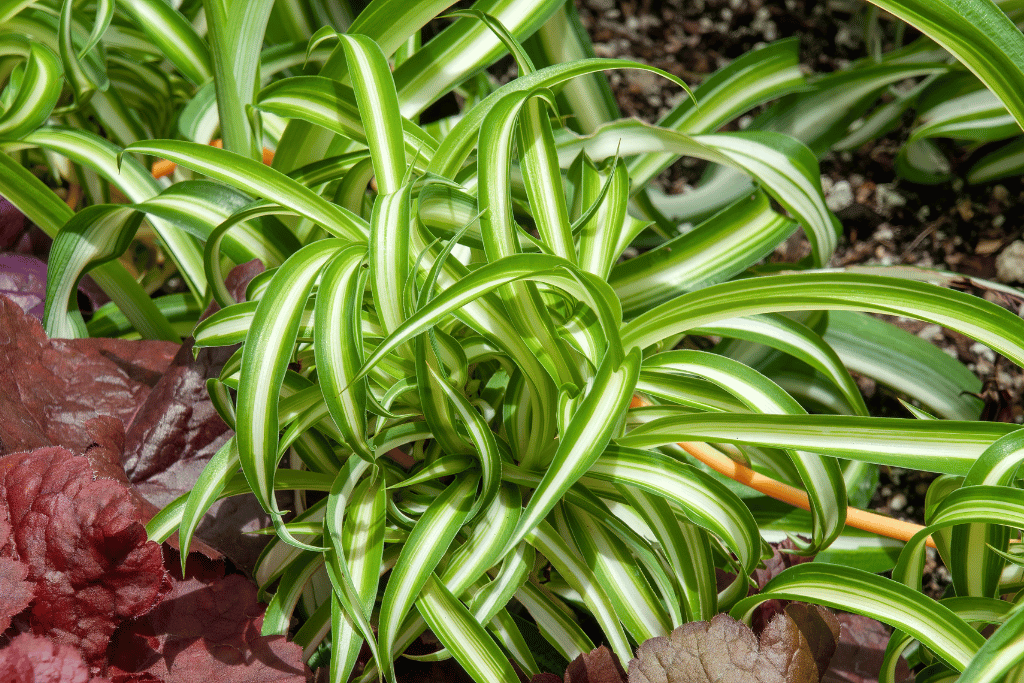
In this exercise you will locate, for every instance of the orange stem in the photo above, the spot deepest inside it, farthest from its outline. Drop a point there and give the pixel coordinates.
(726, 466)
(165, 168)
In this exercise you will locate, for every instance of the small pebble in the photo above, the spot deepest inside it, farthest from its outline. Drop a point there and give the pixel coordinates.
(1010, 263)
(840, 196)
(884, 233)
(898, 502)
(930, 332)
(982, 351)
(888, 198)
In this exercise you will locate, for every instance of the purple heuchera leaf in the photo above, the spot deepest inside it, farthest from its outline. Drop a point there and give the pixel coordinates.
(87, 556)
(207, 629)
(858, 658)
(23, 279)
(33, 659)
(794, 648)
(140, 405)
(15, 590)
(54, 386)
(12, 223)
(597, 666)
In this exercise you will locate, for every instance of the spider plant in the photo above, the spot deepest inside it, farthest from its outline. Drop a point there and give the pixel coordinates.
(485, 400)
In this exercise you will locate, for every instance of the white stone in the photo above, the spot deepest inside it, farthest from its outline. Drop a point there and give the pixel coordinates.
(1010, 263)
(983, 352)
(839, 196)
(888, 198)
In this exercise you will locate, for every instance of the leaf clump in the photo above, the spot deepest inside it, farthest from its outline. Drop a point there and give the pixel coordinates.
(81, 546)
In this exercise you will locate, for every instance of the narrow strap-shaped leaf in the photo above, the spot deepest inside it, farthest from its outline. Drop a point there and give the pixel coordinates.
(174, 37)
(128, 175)
(755, 77)
(166, 522)
(466, 46)
(199, 206)
(563, 39)
(84, 81)
(37, 95)
(390, 236)
(354, 525)
(338, 349)
(331, 105)
(425, 547)
(498, 228)
(707, 502)
(46, 210)
(619, 574)
(889, 601)
(377, 101)
(471, 559)
(265, 359)
(820, 474)
(1003, 651)
(95, 235)
(932, 445)
(716, 250)
(980, 35)
(554, 621)
(252, 176)
(686, 548)
(904, 362)
(978, 116)
(796, 339)
(785, 167)
(980, 504)
(462, 634)
(278, 615)
(973, 316)
(599, 236)
(591, 429)
(1003, 162)
(578, 575)
(821, 116)
(459, 142)
(485, 444)
(205, 492)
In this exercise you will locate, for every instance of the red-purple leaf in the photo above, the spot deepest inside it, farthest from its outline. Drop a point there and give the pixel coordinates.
(206, 629)
(88, 558)
(858, 658)
(597, 666)
(52, 387)
(12, 223)
(23, 280)
(33, 659)
(794, 648)
(15, 591)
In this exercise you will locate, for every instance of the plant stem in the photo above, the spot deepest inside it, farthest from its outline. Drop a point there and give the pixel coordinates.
(726, 466)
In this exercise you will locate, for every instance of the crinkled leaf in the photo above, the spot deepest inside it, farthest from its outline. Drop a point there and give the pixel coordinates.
(12, 223)
(53, 386)
(862, 644)
(600, 665)
(795, 647)
(87, 554)
(34, 659)
(207, 629)
(23, 280)
(15, 591)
